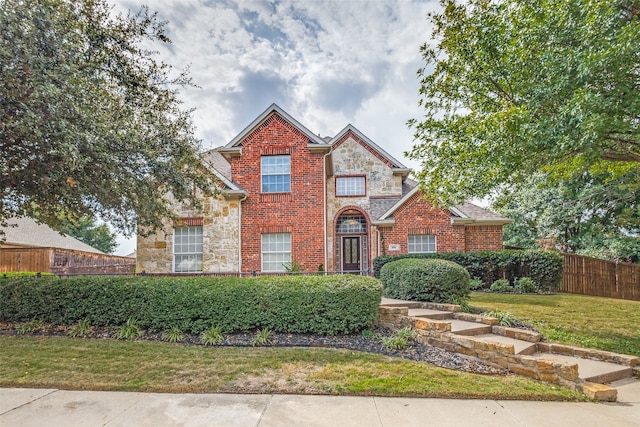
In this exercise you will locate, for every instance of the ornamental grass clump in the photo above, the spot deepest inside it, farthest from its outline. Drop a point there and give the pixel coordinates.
(432, 280)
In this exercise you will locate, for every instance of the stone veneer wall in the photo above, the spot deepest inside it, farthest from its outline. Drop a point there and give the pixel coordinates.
(352, 158)
(438, 333)
(220, 240)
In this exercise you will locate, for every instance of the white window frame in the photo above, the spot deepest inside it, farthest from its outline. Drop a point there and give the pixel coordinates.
(422, 244)
(274, 166)
(187, 249)
(275, 251)
(351, 186)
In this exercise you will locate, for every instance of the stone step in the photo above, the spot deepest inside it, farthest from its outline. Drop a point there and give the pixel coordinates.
(594, 371)
(391, 302)
(462, 327)
(431, 314)
(519, 346)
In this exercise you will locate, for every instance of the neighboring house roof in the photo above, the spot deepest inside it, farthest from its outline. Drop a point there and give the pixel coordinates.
(274, 108)
(132, 254)
(28, 232)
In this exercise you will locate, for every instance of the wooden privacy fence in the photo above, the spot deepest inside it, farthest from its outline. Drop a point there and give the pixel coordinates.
(63, 261)
(597, 277)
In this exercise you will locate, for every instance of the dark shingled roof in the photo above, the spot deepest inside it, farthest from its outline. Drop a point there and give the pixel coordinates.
(476, 212)
(218, 162)
(379, 205)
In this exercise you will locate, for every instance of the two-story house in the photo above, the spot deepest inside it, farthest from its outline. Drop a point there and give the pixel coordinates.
(332, 204)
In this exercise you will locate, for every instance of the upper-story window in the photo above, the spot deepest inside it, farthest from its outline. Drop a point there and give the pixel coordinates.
(350, 186)
(276, 174)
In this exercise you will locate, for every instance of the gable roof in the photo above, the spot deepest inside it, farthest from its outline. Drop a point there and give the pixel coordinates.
(28, 232)
(221, 169)
(273, 108)
(370, 145)
(466, 213)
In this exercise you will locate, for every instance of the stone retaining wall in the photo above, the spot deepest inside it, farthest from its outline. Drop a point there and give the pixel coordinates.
(438, 333)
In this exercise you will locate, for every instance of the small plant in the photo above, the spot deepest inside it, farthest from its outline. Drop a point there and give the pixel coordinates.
(30, 326)
(212, 336)
(367, 333)
(501, 285)
(81, 329)
(463, 303)
(526, 285)
(292, 267)
(504, 317)
(263, 337)
(174, 334)
(400, 340)
(130, 330)
(476, 284)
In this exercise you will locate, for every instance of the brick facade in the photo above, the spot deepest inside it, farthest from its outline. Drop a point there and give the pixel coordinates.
(299, 212)
(483, 238)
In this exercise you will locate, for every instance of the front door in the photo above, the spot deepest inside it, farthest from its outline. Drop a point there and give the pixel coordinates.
(351, 253)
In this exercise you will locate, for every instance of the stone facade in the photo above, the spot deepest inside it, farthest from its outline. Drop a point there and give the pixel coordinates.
(220, 239)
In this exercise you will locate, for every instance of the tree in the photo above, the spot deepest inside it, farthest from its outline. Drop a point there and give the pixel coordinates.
(90, 121)
(591, 213)
(511, 87)
(86, 230)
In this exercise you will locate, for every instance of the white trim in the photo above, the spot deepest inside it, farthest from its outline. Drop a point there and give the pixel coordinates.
(274, 108)
(399, 203)
(396, 163)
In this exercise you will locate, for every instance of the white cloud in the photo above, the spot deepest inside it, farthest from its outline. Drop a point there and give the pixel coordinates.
(327, 63)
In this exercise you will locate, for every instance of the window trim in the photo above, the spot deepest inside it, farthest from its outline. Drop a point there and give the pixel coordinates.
(435, 243)
(263, 174)
(263, 252)
(199, 255)
(364, 185)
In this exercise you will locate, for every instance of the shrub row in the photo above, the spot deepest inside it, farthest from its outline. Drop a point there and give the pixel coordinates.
(543, 267)
(303, 304)
(433, 280)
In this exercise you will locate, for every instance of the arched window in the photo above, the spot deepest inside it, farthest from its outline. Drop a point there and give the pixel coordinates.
(350, 223)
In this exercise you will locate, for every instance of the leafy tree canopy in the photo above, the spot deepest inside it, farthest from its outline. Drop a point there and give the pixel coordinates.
(511, 87)
(87, 231)
(90, 121)
(593, 213)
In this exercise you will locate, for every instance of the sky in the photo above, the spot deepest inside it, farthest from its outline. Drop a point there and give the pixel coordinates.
(326, 63)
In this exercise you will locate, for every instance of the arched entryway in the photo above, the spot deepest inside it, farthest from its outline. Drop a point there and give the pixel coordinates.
(352, 250)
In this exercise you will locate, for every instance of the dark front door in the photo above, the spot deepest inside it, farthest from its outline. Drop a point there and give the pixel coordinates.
(351, 253)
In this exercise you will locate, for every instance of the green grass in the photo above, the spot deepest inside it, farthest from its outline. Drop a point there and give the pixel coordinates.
(95, 364)
(594, 322)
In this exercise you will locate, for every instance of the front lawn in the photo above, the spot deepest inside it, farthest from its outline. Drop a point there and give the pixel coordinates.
(105, 364)
(594, 322)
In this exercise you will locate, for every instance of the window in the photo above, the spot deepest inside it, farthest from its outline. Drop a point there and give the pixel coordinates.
(352, 224)
(276, 174)
(350, 186)
(421, 243)
(187, 249)
(276, 251)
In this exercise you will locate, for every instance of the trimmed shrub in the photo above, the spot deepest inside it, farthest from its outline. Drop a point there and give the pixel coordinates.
(304, 304)
(526, 285)
(543, 267)
(430, 280)
(501, 285)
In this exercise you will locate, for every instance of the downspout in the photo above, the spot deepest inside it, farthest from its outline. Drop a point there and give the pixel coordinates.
(240, 233)
(325, 207)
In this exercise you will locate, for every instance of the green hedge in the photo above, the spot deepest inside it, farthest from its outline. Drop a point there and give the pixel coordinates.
(543, 267)
(432, 280)
(304, 304)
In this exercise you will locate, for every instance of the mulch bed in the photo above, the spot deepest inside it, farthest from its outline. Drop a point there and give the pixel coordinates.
(371, 344)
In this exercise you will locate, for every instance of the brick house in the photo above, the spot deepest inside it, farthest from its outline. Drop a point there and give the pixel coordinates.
(329, 204)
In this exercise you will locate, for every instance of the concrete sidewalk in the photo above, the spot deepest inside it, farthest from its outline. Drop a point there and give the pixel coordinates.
(53, 408)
